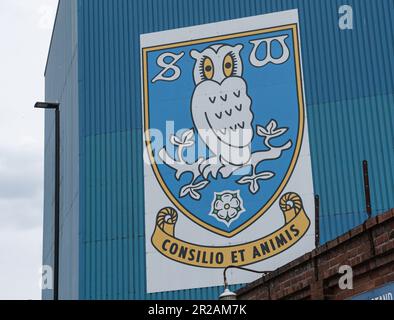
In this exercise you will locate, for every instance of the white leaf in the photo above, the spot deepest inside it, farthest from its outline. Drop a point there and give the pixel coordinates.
(201, 185)
(279, 132)
(254, 187)
(184, 192)
(175, 140)
(245, 180)
(188, 136)
(272, 126)
(261, 131)
(195, 195)
(265, 176)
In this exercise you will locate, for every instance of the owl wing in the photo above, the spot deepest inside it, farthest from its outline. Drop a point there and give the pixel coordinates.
(225, 109)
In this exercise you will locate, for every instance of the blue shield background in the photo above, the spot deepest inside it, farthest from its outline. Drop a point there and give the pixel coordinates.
(273, 90)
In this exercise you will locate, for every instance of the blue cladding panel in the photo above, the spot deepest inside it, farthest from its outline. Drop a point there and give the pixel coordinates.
(349, 88)
(343, 134)
(62, 85)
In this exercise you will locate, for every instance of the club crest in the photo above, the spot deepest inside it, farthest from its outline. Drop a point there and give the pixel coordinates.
(224, 121)
(231, 130)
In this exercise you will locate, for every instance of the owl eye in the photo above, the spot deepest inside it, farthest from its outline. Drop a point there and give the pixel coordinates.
(228, 65)
(208, 68)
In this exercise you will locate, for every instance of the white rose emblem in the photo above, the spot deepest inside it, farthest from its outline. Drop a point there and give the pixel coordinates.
(227, 206)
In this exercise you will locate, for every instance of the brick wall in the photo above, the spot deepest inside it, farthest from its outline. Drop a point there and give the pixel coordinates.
(368, 249)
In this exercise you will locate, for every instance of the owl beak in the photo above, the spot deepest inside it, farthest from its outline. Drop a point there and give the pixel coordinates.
(222, 80)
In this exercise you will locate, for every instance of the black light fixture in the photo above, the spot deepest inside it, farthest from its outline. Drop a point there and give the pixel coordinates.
(227, 293)
(47, 105)
(55, 106)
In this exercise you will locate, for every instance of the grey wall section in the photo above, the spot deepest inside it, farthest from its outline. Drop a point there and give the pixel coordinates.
(62, 85)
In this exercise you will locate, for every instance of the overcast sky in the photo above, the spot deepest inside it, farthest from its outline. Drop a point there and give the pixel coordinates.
(25, 31)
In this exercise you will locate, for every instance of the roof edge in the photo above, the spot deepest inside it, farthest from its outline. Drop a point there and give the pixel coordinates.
(51, 41)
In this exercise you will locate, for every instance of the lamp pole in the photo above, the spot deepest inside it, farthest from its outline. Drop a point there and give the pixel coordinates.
(55, 106)
(227, 294)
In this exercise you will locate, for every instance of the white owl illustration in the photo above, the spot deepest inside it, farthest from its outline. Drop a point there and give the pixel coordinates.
(221, 106)
(221, 109)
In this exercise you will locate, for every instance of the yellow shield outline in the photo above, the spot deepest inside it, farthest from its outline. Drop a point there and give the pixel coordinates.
(300, 93)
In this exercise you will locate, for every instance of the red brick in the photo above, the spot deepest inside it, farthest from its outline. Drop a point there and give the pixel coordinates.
(354, 248)
(371, 222)
(384, 217)
(381, 238)
(356, 231)
(345, 237)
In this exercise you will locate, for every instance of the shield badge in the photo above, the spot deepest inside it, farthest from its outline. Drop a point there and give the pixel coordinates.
(224, 121)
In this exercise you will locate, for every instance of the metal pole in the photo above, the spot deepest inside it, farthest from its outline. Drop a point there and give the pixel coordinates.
(317, 221)
(57, 206)
(263, 273)
(227, 294)
(367, 191)
(56, 228)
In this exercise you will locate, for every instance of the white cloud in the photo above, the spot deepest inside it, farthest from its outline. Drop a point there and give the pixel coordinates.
(19, 165)
(25, 30)
(20, 262)
(46, 13)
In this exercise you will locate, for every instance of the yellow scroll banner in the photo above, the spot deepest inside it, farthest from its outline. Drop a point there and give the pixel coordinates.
(296, 225)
